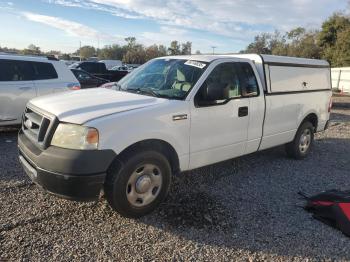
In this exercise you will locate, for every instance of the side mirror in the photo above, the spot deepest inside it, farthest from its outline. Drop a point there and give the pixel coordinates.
(214, 91)
(249, 90)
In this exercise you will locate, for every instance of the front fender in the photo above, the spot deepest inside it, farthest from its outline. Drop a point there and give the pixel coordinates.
(118, 132)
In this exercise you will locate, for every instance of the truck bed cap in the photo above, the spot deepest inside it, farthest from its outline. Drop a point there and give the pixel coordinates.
(256, 58)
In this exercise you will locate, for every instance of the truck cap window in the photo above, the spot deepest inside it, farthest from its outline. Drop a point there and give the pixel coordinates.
(168, 78)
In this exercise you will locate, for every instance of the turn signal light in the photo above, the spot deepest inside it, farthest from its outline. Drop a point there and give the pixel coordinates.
(74, 86)
(92, 136)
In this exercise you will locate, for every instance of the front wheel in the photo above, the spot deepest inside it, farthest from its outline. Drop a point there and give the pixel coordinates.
(302, 143)
(139, 184)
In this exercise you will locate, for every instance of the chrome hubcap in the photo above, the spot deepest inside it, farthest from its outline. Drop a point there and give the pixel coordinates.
(305, 140)
(144, 185)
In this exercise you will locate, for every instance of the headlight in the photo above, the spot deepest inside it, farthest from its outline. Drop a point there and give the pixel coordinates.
(75, 137)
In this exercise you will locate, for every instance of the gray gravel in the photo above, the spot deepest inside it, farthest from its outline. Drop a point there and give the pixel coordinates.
(242, 209)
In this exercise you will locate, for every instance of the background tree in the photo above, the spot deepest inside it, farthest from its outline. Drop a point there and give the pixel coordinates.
(136, 55)
(303, 43)
(298, 42)
(86, 51)
(334, 40)
(186, 48)
(114, 52)
(174, 48)
(331, 43)
(155, 51)
(162, 50)
(32, 50)
(131, 42)
(260, 44)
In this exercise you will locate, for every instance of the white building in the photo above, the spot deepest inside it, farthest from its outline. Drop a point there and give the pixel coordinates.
(341, 79)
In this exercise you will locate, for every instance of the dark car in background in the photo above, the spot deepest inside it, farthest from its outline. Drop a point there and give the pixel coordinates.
(87, 80)
(122, 68)
(99, 69)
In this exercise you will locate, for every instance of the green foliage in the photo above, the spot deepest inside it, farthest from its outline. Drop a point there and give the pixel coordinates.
(114, 52)
(331, 43)
(334, 39)
(31, 50)
(186, 48)
(174, 48)
(261, 44)
(87, 51)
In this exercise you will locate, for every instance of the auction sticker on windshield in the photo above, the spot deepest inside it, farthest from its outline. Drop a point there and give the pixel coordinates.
(195, 63)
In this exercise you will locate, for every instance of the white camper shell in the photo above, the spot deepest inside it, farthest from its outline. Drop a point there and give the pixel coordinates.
(288, 74)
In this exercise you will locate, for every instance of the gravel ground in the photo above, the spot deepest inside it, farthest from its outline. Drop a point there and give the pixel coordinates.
(242, 209)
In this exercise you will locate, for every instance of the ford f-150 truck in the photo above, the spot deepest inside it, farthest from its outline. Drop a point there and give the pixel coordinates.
(172, 114)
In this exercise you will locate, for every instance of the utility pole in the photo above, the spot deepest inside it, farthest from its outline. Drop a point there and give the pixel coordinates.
(98, 45)
(213, 48)
(80, 51)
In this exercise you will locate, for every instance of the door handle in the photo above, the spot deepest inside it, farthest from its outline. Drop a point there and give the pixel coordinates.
(242, 111)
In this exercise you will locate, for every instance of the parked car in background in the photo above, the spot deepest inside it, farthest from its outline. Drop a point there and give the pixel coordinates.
(110, 85)
(68, 62)
(111, 63)
(122, 68)
(92, 59)
(133, 66)
(23, 78)
(87, 80)
(99, 69)
(172, 114)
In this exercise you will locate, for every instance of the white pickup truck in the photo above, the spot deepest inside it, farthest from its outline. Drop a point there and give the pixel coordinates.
(172, 114)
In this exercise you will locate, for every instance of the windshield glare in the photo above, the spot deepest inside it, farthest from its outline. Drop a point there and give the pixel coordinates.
(169, 78)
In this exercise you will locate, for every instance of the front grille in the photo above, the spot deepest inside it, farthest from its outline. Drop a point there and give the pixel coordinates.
(36, 126)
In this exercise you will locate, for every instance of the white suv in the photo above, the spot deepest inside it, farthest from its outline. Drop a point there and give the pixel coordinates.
(23, 78)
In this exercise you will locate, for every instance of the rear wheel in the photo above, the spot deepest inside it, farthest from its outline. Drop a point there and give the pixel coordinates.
(139, 184)
(302, 143)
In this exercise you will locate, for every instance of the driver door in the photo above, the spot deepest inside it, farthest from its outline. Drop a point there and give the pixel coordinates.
(219, 128)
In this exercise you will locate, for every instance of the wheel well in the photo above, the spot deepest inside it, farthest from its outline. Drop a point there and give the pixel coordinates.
(154, 144)
(312, 118)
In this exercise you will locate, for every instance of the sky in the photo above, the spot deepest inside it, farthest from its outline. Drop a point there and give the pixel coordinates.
(229, 25)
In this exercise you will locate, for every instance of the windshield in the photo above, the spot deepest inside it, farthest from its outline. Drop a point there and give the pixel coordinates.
(169, 78)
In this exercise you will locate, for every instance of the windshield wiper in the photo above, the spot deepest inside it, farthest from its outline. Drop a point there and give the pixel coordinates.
(146, 91)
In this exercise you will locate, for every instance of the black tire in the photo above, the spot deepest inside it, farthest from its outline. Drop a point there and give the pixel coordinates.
(117, 182)
(293, 148)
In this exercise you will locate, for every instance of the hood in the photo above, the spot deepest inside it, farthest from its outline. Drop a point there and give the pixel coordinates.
(83, 105)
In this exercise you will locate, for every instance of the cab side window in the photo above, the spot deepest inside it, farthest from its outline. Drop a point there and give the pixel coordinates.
(222, 84)
(249, 84)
